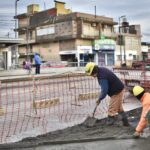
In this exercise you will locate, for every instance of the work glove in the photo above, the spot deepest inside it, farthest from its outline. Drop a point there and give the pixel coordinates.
(136, 134)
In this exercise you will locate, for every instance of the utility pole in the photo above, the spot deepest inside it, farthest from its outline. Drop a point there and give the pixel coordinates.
(15, 19)
(16, 33)
(27, 34)
(120, 38)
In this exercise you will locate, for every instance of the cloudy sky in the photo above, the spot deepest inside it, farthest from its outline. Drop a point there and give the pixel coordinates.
(136, 11)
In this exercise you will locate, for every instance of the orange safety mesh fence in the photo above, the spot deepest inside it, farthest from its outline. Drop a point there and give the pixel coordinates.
(36, 105)
(132, 77)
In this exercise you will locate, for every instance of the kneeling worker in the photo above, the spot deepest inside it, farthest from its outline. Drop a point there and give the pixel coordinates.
(112, 86)
(144, 97)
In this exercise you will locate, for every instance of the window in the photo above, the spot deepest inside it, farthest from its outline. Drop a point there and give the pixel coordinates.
(130, 55)
(107, 26)
(118, 57)
(134, 57)
(46, 30)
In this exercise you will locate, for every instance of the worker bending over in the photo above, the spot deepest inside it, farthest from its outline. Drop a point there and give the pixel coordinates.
(112, 86)
(144, 97)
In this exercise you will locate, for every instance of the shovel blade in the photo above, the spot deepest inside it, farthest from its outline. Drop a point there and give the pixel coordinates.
(89, 121)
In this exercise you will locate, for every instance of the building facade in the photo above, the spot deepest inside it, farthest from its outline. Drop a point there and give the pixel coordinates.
(9, 53)
(128, 48)
(58, 34)
(145, 48)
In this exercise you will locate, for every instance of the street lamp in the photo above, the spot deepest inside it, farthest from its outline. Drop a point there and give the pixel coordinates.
(120, 37)
(16, 15)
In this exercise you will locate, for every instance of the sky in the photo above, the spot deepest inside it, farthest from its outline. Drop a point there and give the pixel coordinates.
(136, 12)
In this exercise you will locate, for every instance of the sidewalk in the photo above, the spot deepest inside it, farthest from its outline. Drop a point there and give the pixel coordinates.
(17, 73)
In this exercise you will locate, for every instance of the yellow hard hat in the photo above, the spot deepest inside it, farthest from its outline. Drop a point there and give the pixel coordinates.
(89, 67)
(137, 90)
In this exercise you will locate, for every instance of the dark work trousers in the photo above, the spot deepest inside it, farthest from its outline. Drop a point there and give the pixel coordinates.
(37, 69)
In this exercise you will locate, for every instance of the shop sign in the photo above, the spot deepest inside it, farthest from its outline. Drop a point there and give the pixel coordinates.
(105, 47)
(84, 49)
(67, 52)
(104, 44)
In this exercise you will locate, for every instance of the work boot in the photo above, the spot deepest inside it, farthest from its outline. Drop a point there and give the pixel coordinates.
(124, 119)
(110, 120)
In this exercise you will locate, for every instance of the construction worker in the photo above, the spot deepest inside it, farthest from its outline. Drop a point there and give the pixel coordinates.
(144, 97)
(112, 86)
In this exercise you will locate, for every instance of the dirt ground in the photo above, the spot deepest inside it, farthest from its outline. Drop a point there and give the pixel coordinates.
(81, 133)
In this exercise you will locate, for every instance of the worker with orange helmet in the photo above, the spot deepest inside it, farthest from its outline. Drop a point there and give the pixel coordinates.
(112, 86)
(144, 97)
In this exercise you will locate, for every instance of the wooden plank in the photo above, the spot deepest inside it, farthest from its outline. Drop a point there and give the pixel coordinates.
(45, 103)
(87, 96)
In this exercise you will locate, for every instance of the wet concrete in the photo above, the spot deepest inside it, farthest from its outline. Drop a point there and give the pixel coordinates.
(128, 144)
(82, 137)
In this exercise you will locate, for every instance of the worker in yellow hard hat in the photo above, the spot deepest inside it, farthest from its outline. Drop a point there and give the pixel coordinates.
(144, 97)
(112, 86)
(90, 68)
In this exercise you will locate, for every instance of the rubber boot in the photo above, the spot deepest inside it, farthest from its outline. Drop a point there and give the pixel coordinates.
(110, 120)
(124, 119)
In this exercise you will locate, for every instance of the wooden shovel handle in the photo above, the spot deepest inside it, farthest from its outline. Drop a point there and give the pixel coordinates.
(94, 110)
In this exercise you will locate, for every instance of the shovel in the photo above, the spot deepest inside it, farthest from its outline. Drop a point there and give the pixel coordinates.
(90, 121)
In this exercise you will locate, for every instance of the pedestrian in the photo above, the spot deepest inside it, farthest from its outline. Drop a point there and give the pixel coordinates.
(144, 97)
(24, 64)
(86, 58)
(112, 86)
(27, 65)
(37, 61)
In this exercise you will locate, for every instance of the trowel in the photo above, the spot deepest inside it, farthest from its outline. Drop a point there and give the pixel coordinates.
(90, 121)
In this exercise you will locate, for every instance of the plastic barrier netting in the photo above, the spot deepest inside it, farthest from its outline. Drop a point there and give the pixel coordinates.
(36, 105)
